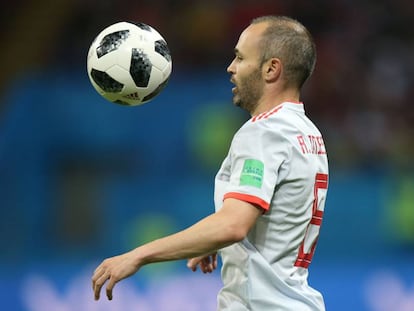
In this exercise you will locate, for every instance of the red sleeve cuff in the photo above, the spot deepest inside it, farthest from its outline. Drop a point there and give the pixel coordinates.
(248, 198)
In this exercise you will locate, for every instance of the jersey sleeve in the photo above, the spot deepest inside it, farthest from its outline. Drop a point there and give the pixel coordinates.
(256, 155)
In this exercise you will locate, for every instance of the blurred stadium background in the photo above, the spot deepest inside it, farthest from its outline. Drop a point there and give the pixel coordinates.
(82, 179)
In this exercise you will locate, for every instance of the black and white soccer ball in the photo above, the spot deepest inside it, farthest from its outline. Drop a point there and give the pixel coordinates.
(129, 64)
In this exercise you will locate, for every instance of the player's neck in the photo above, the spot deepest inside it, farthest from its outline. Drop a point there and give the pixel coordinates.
(271, 100)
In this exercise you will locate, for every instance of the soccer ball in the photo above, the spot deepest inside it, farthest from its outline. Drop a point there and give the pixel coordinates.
(129, 64)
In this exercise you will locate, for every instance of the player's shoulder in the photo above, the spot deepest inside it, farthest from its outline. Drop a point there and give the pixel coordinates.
(267, 124)
(277, 119)
(281, 111)
(264, 116)
(277, 124)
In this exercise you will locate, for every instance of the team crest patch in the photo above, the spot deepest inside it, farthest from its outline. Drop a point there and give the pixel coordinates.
(252, 173)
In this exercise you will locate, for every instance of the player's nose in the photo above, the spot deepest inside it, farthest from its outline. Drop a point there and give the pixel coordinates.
(231, 68)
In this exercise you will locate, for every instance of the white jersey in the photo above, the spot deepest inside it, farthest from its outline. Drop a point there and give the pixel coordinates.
(277, 161)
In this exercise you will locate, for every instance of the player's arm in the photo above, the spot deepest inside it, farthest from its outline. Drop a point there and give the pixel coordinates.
(223, 228)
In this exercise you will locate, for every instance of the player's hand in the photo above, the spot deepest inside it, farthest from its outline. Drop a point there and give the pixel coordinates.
(112, 270)
(206, 263)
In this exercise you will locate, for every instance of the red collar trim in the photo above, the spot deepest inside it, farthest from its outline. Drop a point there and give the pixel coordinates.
(266, 114)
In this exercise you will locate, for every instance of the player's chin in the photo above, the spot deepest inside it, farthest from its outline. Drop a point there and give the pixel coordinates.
(236, 100)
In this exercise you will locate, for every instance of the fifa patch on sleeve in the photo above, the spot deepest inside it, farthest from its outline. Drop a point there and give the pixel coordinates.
(252, 173)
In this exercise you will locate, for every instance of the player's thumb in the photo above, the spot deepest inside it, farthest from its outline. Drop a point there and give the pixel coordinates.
(192, 263)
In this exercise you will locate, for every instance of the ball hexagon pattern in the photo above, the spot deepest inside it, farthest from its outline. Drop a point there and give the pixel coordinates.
(129, 64)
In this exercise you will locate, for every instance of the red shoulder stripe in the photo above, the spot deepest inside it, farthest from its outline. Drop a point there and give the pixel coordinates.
(266, 114)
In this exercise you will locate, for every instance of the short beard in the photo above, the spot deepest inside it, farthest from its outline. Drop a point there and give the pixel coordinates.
(249, 91)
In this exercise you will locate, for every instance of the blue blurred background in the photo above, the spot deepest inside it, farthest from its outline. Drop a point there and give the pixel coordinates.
(82, 179)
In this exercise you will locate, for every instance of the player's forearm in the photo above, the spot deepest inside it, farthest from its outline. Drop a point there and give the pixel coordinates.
(206, 236)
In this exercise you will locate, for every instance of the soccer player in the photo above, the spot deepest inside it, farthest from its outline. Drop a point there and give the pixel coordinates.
(269, 192)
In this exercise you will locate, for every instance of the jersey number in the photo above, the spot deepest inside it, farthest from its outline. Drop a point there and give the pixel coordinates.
(307, 247)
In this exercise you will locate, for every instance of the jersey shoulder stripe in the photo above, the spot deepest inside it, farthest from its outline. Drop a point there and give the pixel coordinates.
(266, 114)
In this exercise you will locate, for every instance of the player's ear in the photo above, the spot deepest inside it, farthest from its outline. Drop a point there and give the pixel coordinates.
(272, 69)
